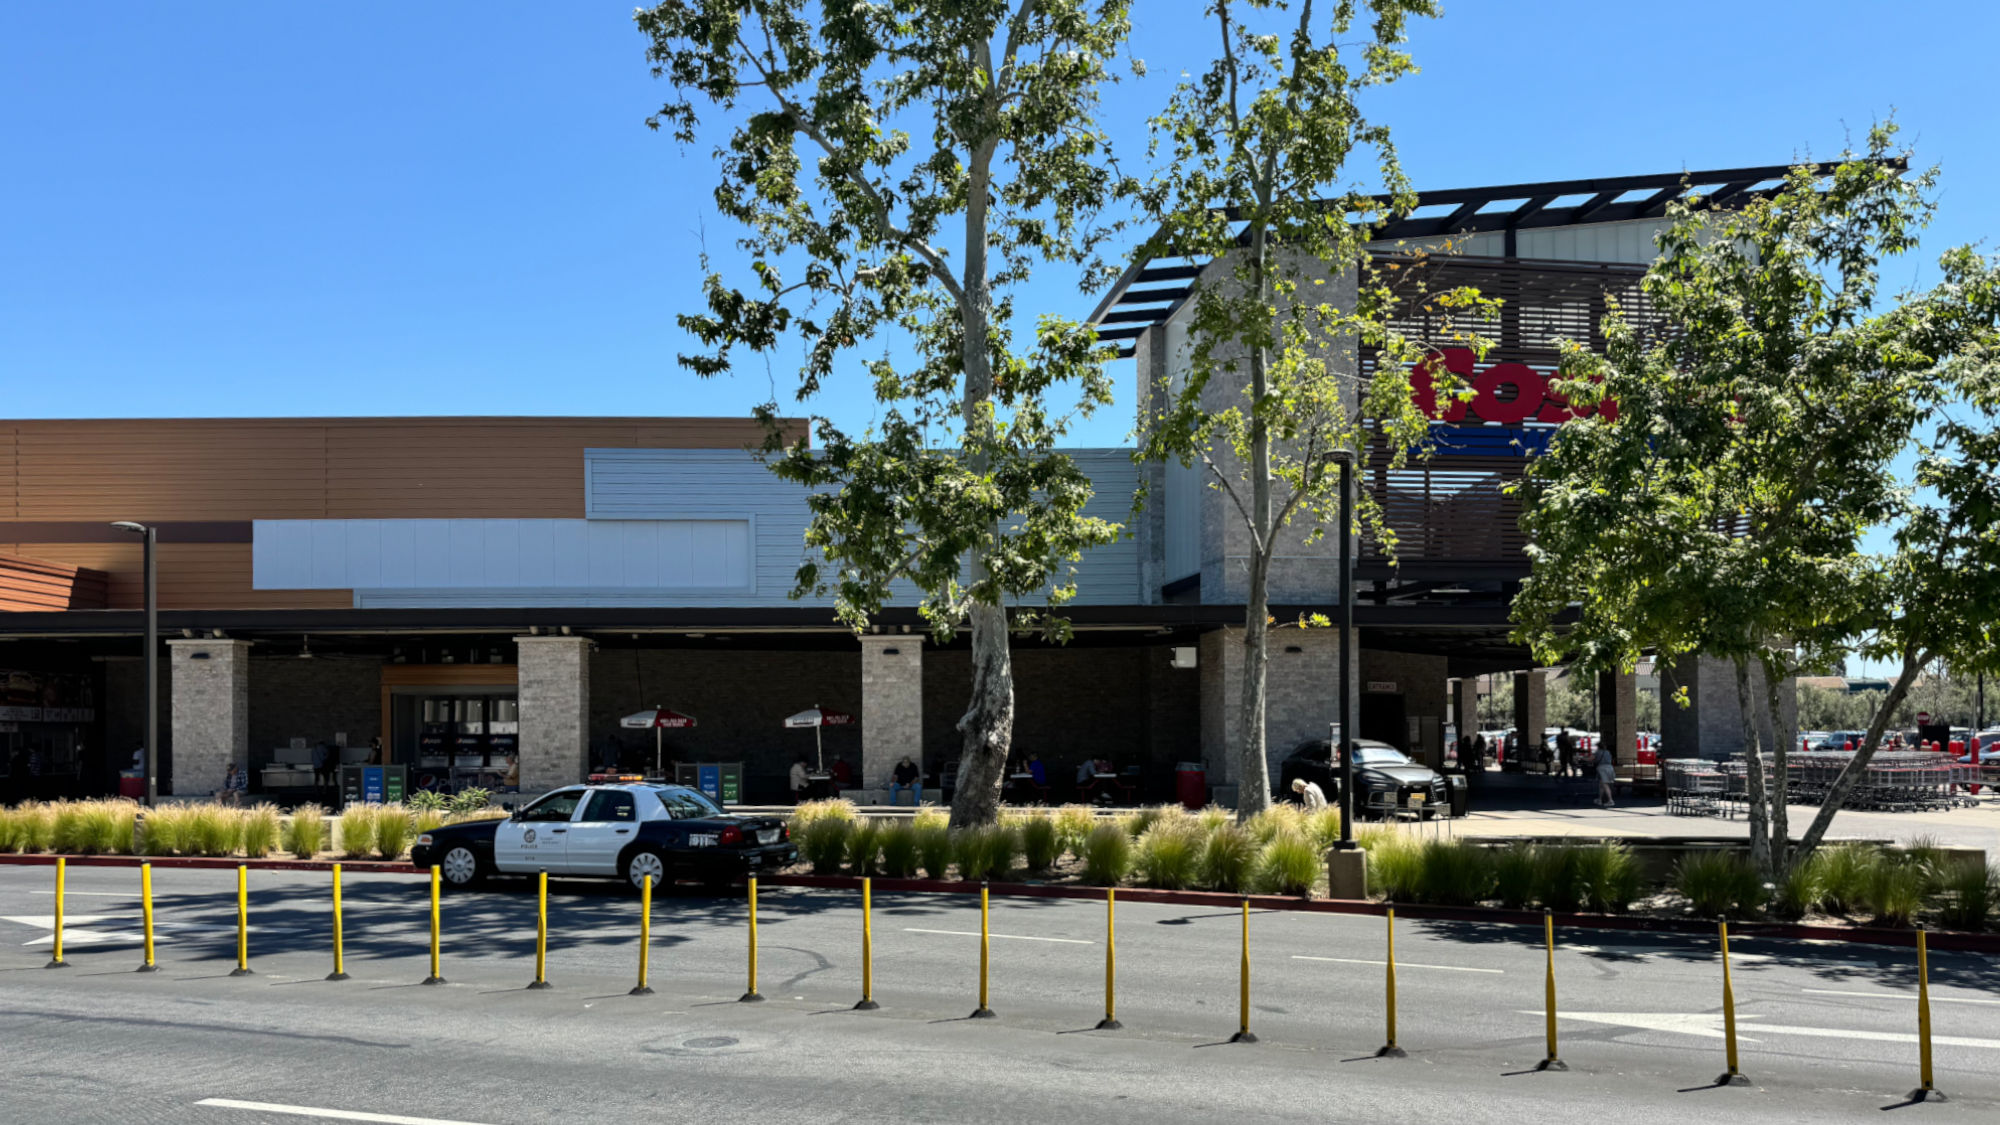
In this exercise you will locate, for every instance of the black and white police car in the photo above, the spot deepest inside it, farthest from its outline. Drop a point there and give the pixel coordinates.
(626, 831)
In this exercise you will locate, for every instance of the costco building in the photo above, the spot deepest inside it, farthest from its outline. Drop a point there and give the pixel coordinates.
(488, 596)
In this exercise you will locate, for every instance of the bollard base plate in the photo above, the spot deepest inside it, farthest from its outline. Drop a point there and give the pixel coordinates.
(1109, 1024)
(750, 998)
(57, 964)
(1552, 1063)
(433, 980)
(1244, 1037)
(640, 990)
(336, 976)
(1926, 1094)
(982, 1014)
(1731, 1078)
(538, 985)
(1392, 1052)
(866, 1006)
(147, 969)
(242, 972)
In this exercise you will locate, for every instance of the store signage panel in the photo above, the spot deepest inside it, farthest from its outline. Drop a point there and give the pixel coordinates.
(1506, 394)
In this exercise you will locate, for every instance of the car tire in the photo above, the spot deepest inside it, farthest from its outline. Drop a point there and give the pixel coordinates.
(641, 862)
(460, 868)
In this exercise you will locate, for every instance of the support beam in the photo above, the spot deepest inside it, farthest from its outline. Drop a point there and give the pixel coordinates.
(1618, 717)
(554, 689)
(1531, 706)
(892, 706)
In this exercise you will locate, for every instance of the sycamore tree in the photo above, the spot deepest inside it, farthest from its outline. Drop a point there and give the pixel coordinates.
(1256, 180)
(1725, 509)
(898, 169)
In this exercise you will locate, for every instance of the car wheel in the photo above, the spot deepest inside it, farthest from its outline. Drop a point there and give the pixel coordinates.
(460, 867)
(644, 862)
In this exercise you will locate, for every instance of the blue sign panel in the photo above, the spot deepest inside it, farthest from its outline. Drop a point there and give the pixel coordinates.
(372, 790)
(709, 781)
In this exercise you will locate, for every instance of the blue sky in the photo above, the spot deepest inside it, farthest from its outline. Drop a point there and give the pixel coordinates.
(452, 208)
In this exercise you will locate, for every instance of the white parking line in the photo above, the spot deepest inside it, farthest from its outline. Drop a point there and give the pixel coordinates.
(336, 1114)
(1935, 998)
(1399, 964)
(92, 894)
(1009, 937)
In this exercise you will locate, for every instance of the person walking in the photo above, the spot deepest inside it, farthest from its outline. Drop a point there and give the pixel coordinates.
(1607, 774)
(1565, 752)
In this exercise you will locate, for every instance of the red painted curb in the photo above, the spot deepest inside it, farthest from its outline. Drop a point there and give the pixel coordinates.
(374, 866)
(1481, 915)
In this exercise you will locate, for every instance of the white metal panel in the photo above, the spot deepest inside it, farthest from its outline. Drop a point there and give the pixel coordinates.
(1183, 520)
(1629, 242)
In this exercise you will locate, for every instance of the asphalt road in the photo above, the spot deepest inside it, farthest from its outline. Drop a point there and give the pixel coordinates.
(1828, 1030)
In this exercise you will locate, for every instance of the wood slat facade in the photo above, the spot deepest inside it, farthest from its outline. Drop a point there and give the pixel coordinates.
(152, 470)
(35, 584)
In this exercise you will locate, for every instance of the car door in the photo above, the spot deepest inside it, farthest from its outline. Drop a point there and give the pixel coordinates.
(609, 821)
(537, 837)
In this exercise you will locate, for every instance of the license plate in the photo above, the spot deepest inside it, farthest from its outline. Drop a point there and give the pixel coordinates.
(755, 860)
(767, 836)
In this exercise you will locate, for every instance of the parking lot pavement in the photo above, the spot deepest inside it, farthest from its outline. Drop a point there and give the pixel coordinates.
(1827, 1026)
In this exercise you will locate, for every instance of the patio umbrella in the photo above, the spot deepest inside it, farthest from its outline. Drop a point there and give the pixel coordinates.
(658, 718)
(817, 717)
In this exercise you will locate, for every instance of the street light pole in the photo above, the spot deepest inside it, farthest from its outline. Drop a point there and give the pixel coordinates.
(1346, 747)
(150, 535)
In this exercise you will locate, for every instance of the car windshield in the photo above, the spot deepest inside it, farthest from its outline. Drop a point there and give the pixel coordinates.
(1379, 756)
(688, 804)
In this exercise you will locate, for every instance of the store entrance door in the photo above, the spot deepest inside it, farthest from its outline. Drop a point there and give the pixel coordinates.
(1382, 719)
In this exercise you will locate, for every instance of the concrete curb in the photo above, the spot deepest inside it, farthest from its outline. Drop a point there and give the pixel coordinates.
(1480, 915)
(222, 863)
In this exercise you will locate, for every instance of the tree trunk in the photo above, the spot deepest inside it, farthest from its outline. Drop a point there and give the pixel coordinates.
(1858, 765)
(1753, 757)
(1253, 776)
(1781, 751)
(988, 722)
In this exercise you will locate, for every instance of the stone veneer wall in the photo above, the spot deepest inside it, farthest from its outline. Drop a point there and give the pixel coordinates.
(1712, 725)
(210, 709)
(555, 711)
(892, 706)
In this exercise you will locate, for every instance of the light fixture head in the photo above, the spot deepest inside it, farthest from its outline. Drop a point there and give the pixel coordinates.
(128, 525)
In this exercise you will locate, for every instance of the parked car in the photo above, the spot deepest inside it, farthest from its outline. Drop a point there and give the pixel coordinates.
(1382, 774)
(628, 831)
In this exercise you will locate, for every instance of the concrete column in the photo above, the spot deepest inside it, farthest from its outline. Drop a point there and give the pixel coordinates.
(555, 711)
(1711, 726)
(1301, 695)
(1465, 704)
(210, 712)
(1618, 717)
(1149, 528)
(1531, 697)
(892, 706)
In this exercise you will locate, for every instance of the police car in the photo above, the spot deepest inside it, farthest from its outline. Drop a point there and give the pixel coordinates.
(626, 831)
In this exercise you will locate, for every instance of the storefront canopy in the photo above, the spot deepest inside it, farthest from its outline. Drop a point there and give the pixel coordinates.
(655, 719)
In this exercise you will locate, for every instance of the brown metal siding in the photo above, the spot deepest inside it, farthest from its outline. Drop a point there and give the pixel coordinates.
(301, 468)
(33, 584)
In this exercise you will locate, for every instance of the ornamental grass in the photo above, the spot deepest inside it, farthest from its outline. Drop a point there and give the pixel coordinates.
(1846, 871)
(1169, 855)
(1228, 859)
(1514, 876)
(1041, 843)
(1281, 817)
(260, 830)
(357, 830)
(212, 830)
(929, 817)
(1287, 865)
(1395, 864)
(823, 843)
(1719, 884)
(1073, 823)
(1322, 827)
(1107, 855)
(34, 826)
(101, 827)
(1970, 893)
(864, 846)
(899, 849)
(167, 830)
(835, 808)
(934, 850)
(307, 832)
(392, 831)
(986, 853)
(1454, 873)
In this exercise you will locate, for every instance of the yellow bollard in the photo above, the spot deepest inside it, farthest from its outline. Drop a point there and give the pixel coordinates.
(1391, 1050)
(1732, 1076)
(242, 968)
(146, 916)
(436, 927)
(1243, 1033)
(752, 996)
(1110, 1020)
(1926, 1092)
(339, 961)
(542, 934)
(1552, 1062)
(985, 945)
(867, 1003)
(62, 871)
(645, 937)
